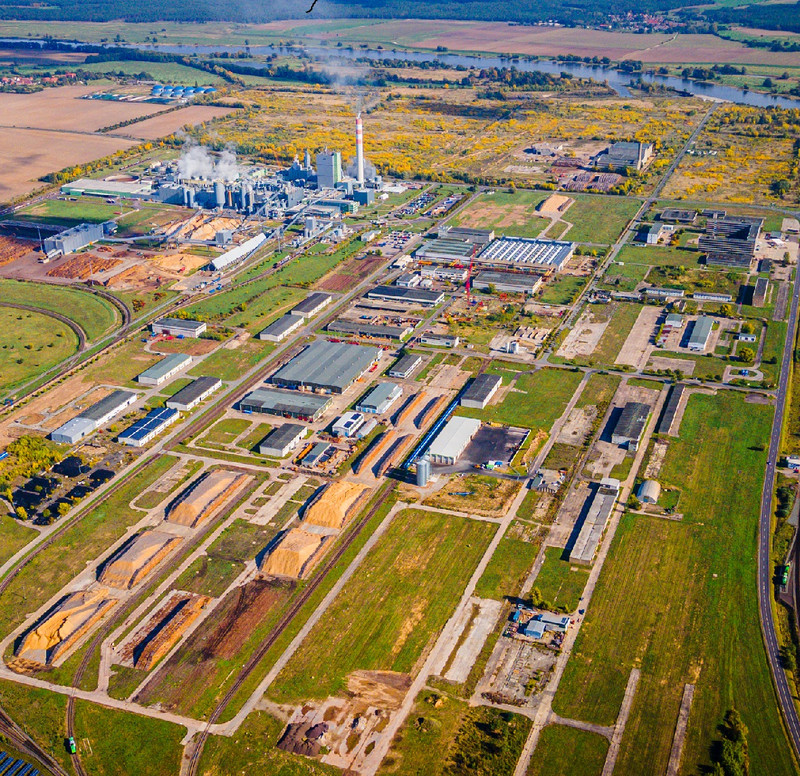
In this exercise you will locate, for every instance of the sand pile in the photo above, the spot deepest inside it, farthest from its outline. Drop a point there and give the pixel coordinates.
(64, 625)
(555, 204)
(209, 494)
(292, 554)
(331, 508)
(137, 559)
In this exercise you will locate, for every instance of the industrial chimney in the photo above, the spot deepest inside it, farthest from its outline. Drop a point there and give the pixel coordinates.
(359, 150)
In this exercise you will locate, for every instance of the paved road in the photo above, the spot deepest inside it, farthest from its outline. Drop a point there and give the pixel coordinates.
(765, 570)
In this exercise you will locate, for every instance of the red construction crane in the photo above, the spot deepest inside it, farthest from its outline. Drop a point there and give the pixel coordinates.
(469, 272)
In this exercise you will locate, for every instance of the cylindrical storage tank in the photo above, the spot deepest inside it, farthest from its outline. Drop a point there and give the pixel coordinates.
(219, 193)
(423, 472)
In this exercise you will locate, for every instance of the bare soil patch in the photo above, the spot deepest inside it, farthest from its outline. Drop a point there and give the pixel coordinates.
(166, 124)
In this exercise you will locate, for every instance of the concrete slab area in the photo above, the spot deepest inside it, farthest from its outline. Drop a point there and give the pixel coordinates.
(481, 627)
(680, 731)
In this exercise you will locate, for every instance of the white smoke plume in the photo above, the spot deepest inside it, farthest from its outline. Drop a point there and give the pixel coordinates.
(197, 162)
(369, 169)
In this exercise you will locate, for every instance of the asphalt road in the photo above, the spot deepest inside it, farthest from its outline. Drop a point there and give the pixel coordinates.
(765, 570)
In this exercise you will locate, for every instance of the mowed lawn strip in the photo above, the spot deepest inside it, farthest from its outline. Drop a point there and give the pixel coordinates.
(567, 751)
(83, 541)
(93, 314)
(678, 600)
(535, 400)
(393, 607)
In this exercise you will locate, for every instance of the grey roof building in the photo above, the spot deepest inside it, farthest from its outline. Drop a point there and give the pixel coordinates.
(649, 492)
(194, 393)
(93, 417)
(418, 296)
(289, 404)
(480, 391)
(405, 365)
(511, 282)
(730, 241)
(625, 154)
(380, 398)
(600, 508)
(164, 369)
(364, 329)
(281, 328)
(326, 366)
(282, 440)
(701, 331)
(311, 305)
(178, 327)
(631, 423)
(760, 292)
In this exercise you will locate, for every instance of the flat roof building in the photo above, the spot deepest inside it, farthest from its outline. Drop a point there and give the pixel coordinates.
(93, 417)
(619, 156)
(468, 234)
(405, 365)
(311, 305)
(348, 424)
(664, 293)
(706, 296)
(411, 296)
(450, 274)
(380, 399)
(281, 328)
(289, 404)
(73, 239)
(282, 440)
(178, 327)
(161, 372)
(440, 340)
(730, 241)
(366, 329)
(150, 426)
(452, 440)
(528, 252)
(600, 508)
(326, 366)
(630, 426)
(194, 393)
(701, 331)
(670, 409)
(760, 292)
(480, 391)
(509, 282)
(316, 454)
(674, 215)
(133, 189)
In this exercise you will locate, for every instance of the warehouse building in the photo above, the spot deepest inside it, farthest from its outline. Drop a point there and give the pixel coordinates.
(326, 366)
(675, 215)
(149, 427)
(365, 329)
(239, 252)
(168, 367)
(449, 274)
(282, 440)
(130, 189)
(706, 296)
(479, 237)
(528, 252)
(670, 410)
(281, 328)
(602, 504)
(440, 340)
(405, 366)
(701, 331)
(93, 417)
(730, 241)
(380, 399)
(177, 327)
(311, 305)
(508, 282)
(408, 280)
(411, 296)
(480, 391)
(631, 423)
(452, 440)
(288, 404)
(620, 156)
(194, 393)
(760, 292)
(75, 238)
(348, 424)
(317, 454)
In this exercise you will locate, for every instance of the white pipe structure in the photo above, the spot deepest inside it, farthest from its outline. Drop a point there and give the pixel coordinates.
(359, 150)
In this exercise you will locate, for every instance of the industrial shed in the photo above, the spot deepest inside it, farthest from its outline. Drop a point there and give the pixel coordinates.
(480, 391)
(93, 417)
(509, 282)
(161, 372)
(326, 366)
(177, 327)
(405, 366)
(281, 328)
(363, 329)
(289, 404)
(194, 393)
(282, 440)
(701, 331)
(452, 440)
(380, 399)
(649, 492)
(152, 424)
(417, 296)
(311, 305)
(631, 423)
(600, 508)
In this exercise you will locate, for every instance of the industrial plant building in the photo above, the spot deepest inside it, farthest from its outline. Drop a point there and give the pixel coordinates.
(239, 252)
(150, 426)
(449, 274)
(507, 282)
(480, 391)
(620, 156)
(380, 399)
(136, 189)
(76, 238)
(602, 504)
(93, 417)
(411, 296)
(701, 332)
(168, 367)
(282, 440)
(329, 169)
(178, 327)
(528, 252)
(194, 393)
(289, 404)
(630, 425)
(405, 366)
(281, 328)
(452, 440)
(326, 366)
(311, 305)
(366, 329)
(730, 241)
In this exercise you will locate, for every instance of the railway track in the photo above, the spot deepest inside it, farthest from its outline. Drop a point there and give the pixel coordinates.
(279, 628)
(27, 746)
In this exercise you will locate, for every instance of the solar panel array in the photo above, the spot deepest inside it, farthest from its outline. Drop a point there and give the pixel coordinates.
(12, 766)
(149, 424)
(519, 250)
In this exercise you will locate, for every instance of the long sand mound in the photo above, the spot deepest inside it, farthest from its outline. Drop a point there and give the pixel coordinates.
(136, 560)
(290, 557)
(333, 505)
(209, 494)
(63, 626)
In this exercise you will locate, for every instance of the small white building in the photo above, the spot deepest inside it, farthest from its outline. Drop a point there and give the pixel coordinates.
(177, 327)
(348, 424)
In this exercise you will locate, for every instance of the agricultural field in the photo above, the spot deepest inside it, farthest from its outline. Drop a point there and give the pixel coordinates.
(637, 620)
(165, 124)
(414, 576)
(30, 345)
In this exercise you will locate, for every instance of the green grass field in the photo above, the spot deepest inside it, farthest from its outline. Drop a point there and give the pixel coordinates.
(68, 212)
(678, 600)
(30, 344)
(508, 568)
(563, 290)
(567, 751)
(624, 277)
(535, 401)
(599, 219)
(512, 214)
(224, 431)
(232, 363)
(598, 391)
(94, 315)
(168, 72)
(658, 256)
(14, 535)
(414, 577)
(559, 582)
